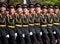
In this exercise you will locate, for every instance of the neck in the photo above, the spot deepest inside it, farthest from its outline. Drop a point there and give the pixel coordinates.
(12, 14)
(2, 12)
(44, 14)
(19, 13)
(38, 12)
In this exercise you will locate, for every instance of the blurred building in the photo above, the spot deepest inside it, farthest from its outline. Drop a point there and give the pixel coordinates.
(2, 0)
(10, 1)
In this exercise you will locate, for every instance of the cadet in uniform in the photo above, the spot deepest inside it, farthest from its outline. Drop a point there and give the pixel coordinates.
(56, 10)
(0, 33)
(31, 24)
(19, 14)
(4, 39)
(50, 24)
(25, 24)
(56, 23)
(45, 36)
(37, 22)
(11, 25)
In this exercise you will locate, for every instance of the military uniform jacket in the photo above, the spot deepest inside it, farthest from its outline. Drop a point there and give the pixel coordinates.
(37, 19)
(18, 20)
(11, 21)
(3, 20)
(50, 19)
(44, 20)
(31, 19)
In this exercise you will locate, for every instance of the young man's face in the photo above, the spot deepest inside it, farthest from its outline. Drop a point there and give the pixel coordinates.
(19, 10)
(38, 9)
(25, 8)
(26, 11)
(44, 10)
(3, 9)
(56, 11)
(32, 9)
(51, 11)
(12, 10)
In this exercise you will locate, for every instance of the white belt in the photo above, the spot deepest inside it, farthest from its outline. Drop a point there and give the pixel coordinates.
(37, 24)
(50, 24)
(31, 24)
(43, 25)
(11, 26)
(2, 25)
(18, 25)
(56, 23)
(25, 25)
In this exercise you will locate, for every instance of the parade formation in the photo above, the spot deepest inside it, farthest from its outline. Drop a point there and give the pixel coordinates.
(29, 24)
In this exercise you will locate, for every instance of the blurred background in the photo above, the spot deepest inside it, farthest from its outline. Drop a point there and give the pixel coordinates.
(15, 2)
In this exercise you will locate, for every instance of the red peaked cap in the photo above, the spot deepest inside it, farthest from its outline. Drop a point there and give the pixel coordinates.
(45, 6)
(25, 6)
(31, 5)
(10, 7)
(3, 5)
(56, 7)
(18, 6)
(37, 5)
